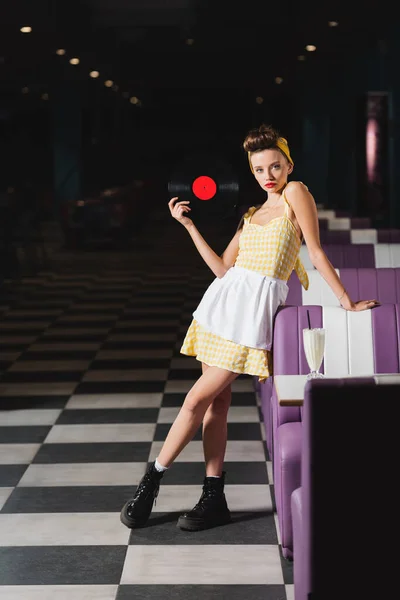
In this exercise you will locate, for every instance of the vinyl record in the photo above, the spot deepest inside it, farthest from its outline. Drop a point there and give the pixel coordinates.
(208, 182)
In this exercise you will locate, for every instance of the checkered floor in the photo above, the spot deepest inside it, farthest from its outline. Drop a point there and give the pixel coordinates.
(91, 380)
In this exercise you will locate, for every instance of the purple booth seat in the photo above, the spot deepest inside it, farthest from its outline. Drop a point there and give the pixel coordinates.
(357, 255)
(327, 533)
(381, 284)
(358, 236)
(357, 343)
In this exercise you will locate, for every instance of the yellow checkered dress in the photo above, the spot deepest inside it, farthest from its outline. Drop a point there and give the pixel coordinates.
(272, 250)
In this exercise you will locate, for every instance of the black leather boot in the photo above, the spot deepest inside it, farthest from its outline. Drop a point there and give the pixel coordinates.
(211, 510)
(136, 511)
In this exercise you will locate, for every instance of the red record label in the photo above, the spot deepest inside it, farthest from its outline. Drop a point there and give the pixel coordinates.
(204, 188)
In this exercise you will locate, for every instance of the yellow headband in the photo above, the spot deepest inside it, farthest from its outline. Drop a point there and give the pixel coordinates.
(283, 146)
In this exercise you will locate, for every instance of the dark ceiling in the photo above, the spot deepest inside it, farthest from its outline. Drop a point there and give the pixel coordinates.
(143, 44)
(202, 92)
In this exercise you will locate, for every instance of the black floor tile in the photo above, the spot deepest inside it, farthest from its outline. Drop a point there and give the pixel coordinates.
(24, 434)
(108, 415)
(60, 565)
(93, 452)
(201, 592)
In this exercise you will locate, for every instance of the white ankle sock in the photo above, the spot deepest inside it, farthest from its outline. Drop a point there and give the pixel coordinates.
(215, 476)
(159, 467)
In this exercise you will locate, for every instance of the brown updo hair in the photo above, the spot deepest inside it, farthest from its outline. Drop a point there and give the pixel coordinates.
(264, 137)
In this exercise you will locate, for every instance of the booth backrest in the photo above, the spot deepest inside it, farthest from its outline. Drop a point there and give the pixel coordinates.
(357, 235)
(362, 283)
(357, 343)
(347, 255)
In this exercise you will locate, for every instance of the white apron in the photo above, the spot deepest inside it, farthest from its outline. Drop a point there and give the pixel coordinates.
(240, 307)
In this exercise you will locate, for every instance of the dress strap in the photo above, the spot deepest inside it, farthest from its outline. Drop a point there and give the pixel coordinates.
(287, 205)
(250, 212)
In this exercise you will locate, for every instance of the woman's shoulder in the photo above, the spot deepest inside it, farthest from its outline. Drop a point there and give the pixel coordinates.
(296, 186)
(250, 211)
(295, 189)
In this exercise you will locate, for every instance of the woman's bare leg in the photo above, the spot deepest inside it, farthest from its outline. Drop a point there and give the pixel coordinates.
(207, 387)
(215, 430)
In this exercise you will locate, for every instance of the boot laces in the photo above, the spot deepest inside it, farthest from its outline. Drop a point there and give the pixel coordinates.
(147, 478)
(208, 494)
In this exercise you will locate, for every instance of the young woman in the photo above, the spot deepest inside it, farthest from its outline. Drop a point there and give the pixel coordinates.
(231, 330)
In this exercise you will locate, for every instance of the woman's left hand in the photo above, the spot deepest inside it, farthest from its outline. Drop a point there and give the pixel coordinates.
(362, 305)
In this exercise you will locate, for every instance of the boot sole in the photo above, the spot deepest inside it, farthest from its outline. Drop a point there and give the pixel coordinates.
(193, 525)
(131, 523)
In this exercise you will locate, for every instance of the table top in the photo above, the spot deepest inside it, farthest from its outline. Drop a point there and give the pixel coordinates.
(290, 388)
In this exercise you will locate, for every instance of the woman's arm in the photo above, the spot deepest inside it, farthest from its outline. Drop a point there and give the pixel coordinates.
(304, 207)
(219, 265)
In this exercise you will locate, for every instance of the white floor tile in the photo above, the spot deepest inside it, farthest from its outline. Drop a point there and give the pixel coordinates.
(148, 323)
(18, 339)
(63, 346)
(126, 375)
(141, 337)
(5, 492)
(76, 331)
(50, 365)
(269, 471)
(158, 310)
(60, 475)
(87, 318)
(278, 531)
(28, 417)
(213, 564)
(98, 306)
(64, 388)
(236, 414)
(289, 591)
(87, 401)
(133, 354)
(9, 356)
(34, 312)
(113, 432)
(243, 385)
(179, 386)
(24, 325)
(236, 451)
(252, 498)
(186, 362)
(62, 529)
(17, 454)
(58, 592)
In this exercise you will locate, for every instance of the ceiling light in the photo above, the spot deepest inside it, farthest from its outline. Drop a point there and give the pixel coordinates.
(134, 100)
(278, 80)
(45, 96)
(74, 61)
(94, 74)
(60, 51)
(25, 90)
(301, 57)
(259, 99)
(26, 29)
(190, 41)
(108, 83)
(311, 48)
(115, 87)
(333, 23)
